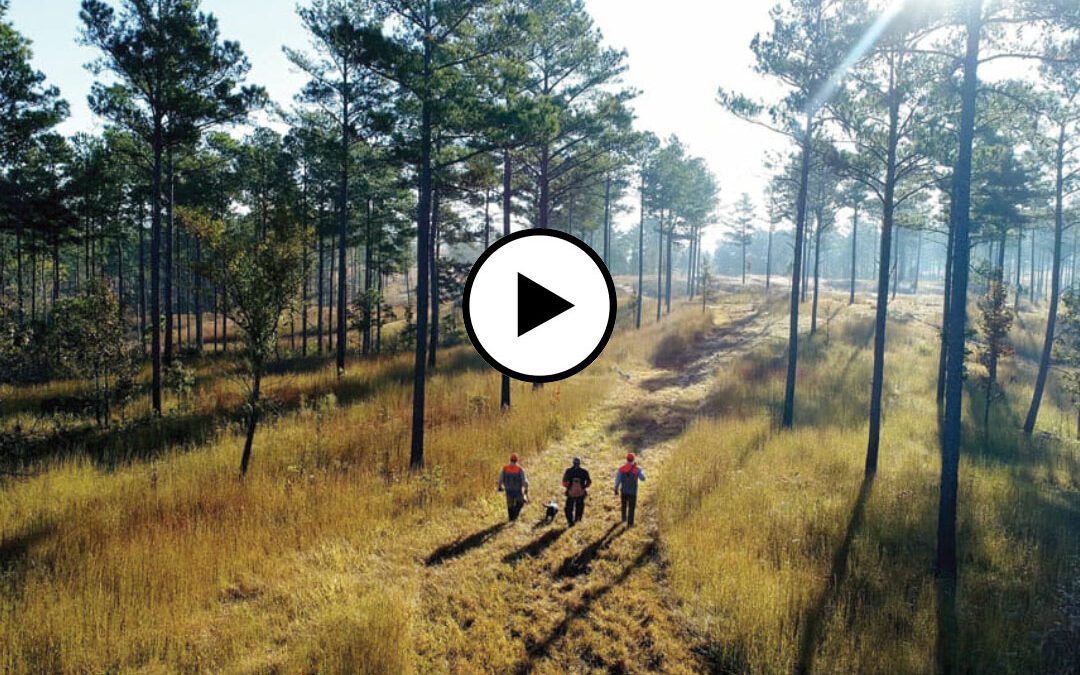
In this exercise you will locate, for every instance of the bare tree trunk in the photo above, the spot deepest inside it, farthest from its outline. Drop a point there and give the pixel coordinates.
(423, 245)
(504, 380)
(854, 252)
(957, 321)
(155, 271)
(142, 282)
(1055, 284)
(435, 299)
(253, 419)
(788, 419)
(659, 266)
(170, 234)
(641, 255)
(817, 272)
(882, 310)
(768, 261)
(667, 292)
(607, 221)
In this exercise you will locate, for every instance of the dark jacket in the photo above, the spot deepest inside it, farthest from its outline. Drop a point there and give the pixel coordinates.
(628, 477)
(513, 480)
(576, 473)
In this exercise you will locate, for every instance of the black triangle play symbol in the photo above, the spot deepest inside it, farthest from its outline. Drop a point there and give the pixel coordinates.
(536, 304)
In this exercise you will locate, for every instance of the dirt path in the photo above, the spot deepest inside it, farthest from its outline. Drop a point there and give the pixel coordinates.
(525, 597)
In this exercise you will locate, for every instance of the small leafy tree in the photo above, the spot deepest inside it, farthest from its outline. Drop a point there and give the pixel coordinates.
(261, 275)
(1068, 349)
(995, 320)
(88, 339)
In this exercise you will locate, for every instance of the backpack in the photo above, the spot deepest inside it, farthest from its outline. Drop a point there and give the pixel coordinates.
(576, 489)
(629, 475)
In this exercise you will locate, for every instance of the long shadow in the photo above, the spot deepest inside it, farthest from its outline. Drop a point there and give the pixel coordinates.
(815, 618)
(948, 627)
(578, 564)
(14, 549)
(723, 338)
(538, 650)
(534, 547)
(147, 438)
(652, 422)
(462, 546)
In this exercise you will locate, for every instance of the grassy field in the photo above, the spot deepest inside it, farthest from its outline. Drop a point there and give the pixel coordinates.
(788, 561)
(150, 560)
(136, 548)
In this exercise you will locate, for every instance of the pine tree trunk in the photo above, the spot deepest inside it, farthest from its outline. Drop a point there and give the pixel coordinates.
(198, 289)
(660, 266)
(170, 233)
(1019, 253)
(817, 272)
(322, 282)
(504, 380)
(882, 309)
(768, 262)
(253, 419)
(957, 323)
(423, 245)
(155, 270)
(366, 300)
(142, 282)
(854, 252)
(435, 299)
(343, 232)
(607, 221)
(1055, 284)
(330, 301)
(788, 419)
(667, 292)
(641, 255)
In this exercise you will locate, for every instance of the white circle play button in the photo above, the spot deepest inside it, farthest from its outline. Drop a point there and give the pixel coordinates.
(539, 305)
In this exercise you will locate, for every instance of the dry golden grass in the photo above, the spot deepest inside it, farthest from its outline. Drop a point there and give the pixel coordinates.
(170, 563)
(785, 559)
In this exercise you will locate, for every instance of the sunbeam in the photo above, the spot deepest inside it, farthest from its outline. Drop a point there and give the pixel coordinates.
(864, 45)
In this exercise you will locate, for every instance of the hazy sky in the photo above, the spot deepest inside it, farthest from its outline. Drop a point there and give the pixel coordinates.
(679, 52)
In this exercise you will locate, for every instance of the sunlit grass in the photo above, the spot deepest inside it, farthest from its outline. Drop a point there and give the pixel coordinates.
(785, 558)
(155, 562)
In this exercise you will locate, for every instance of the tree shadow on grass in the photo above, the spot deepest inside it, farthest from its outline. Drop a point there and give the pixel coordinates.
(948, 626)
(147, 438)
(462, 546)
(538, 650)
(650, 422)
(814, 622)
(534, 547)
(579, 563)
(15, 548)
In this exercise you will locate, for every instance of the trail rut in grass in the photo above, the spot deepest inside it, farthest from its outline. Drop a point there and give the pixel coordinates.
(528, 597)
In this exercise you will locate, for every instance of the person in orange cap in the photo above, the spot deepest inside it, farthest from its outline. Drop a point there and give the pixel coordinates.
(515, 484)
(626, 481)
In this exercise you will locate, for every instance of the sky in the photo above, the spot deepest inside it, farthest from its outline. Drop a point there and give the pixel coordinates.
(679, 52)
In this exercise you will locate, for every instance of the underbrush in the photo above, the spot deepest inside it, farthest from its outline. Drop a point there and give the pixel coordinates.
(788, 561)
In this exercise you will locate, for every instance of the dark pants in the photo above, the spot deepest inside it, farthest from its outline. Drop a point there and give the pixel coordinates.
(513, 506)
(575, 509)
(629, 505)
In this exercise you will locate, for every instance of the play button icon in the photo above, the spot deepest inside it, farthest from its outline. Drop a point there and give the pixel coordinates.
(539, 305)
(536, 304)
